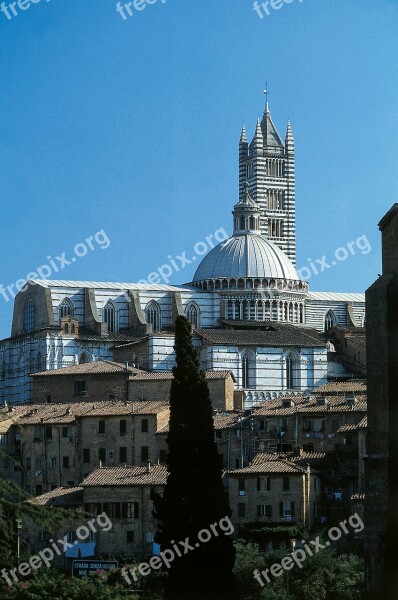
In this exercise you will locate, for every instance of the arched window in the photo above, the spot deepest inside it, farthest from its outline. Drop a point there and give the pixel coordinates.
(39, 362)
(72, 328)
(192, 314)
(153, 315)
(292, 372)
(330, 320)
(29, 316)
(289, 372)
(242, 223)
(66, 328)
(109, 317)
(66, 308)
(84, 358)
(246, 370)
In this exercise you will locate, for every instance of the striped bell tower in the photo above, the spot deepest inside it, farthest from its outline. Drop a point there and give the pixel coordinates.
(266, 165)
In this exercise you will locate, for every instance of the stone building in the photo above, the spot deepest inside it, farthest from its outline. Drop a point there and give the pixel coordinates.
(95, 381)
(274, 490)
(310, 423)
(105, 380)
(350, 346)
(233, 437)
(123, 494)
(248, 280)
(52, 445)
(381, 468)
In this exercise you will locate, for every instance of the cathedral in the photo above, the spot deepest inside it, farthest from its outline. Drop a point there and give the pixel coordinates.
(250, 311)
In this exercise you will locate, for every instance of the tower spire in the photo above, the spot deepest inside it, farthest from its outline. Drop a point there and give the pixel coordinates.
(258, 140)
(266, 92)
(243, 136)
(289, 139)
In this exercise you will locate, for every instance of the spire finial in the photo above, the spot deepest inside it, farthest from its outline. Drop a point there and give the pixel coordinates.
(266, 92)
(243, 137)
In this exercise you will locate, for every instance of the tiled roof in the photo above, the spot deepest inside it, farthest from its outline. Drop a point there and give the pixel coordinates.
(347, 427)
(361, 425)
(126, 476)
(302, 456)
(336, 387)
(278, 465)
(86, 334)
(336, 296)
(222, 420)
(225, 420)
(6, 424)
(62, 496)
(274, 408)
(168, 375)
(67, 413)
(108, 285)
(276, 335)
(358, 331)
(97, 367)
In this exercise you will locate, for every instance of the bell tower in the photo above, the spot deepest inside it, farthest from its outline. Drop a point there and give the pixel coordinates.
(266, 165)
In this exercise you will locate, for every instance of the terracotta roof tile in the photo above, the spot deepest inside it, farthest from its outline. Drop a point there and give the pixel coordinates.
(62, 496)
(347, 427)
(303, 456)
(335, 387)
(278, 465)
(67, 413)
(97, 367)
(276, 335)
(309, 404)
(126, 476)
(168, 375)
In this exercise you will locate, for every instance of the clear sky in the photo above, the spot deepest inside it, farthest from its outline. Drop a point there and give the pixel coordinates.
(131, 127)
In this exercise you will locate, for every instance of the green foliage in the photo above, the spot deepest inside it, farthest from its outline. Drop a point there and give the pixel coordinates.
(324, 576)
(256, 532)
(247, 560)
(50, 585)
(17, 504)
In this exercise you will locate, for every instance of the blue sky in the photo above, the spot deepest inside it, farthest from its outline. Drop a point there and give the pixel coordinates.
(131, 126)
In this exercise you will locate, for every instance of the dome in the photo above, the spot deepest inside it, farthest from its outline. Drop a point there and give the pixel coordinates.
(246, 256)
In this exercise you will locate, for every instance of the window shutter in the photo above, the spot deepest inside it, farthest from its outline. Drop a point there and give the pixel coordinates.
(292, 508)
(281, 513)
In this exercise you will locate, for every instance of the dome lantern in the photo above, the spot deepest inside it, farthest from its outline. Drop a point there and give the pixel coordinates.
(246, 215)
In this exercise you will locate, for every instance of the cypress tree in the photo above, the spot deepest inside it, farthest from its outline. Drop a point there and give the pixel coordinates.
(194, 497)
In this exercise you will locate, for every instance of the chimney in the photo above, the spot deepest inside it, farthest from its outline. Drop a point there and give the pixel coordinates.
(148, 469)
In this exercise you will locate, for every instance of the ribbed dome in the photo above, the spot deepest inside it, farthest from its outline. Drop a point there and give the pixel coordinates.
(246, 255)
